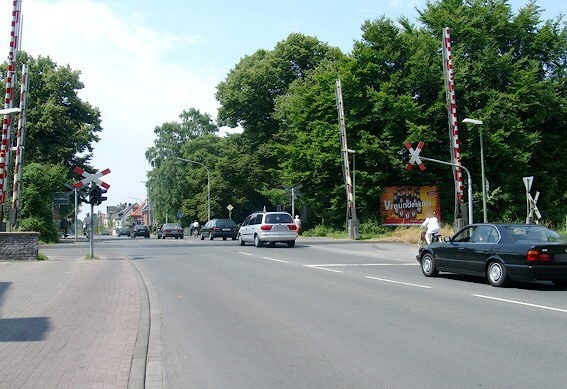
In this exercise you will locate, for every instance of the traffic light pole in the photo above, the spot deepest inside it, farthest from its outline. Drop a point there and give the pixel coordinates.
(469, 183)
(91, 235)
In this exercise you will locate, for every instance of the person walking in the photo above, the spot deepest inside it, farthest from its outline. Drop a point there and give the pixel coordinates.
(432, 225)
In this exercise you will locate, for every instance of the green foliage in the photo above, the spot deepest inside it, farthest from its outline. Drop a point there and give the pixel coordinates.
(39, 182)
(509, 71)
(46, 228)
(42, 257)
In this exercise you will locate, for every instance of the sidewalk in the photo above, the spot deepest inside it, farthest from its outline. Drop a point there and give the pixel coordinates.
(73, 323)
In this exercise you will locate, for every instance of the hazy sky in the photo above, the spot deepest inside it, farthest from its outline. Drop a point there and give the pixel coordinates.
(144, 61)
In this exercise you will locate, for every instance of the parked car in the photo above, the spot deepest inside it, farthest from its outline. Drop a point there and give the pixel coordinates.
(271, 227)
(123, 231)
(140, 230)
(170, 230)
(219, 228)
(499, 252)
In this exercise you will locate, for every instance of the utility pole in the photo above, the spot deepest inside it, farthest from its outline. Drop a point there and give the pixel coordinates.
(352, 220)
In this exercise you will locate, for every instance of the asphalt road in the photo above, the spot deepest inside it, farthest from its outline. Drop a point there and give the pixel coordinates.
(343, 314)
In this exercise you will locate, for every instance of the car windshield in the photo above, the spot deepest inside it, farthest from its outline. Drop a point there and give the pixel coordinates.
(534, 233)
(171, 225)
(278, 218)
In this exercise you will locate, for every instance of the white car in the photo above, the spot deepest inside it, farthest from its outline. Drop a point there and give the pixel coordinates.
(268, 227)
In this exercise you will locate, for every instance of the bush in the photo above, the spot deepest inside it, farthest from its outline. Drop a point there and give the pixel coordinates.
(47, 229)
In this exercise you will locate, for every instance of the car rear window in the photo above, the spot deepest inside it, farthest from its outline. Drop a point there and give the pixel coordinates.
(534, 234)
(278, 218)
(225, 223)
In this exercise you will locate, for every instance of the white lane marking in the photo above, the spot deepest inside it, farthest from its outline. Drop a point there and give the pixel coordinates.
(521, 303)
(243, 253)
(275, 260)
(364, 264)
(398, 282)
(322, 268)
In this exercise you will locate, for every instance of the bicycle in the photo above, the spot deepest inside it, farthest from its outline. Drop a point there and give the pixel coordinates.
(435, 237)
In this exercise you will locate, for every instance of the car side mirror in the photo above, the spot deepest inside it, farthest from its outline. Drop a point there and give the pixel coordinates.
(446, 239)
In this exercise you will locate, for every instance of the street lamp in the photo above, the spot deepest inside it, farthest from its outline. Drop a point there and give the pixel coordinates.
(479, 122)
(353, 152)
(208, 184)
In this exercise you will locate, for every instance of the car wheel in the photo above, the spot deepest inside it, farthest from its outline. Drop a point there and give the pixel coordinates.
(176, 237)
(240, 241)
(211, 237)
(560, 283)
(224, 238)
(234, 238)
(428, 265)
(497, 274)
(257, 241)
(290, 243)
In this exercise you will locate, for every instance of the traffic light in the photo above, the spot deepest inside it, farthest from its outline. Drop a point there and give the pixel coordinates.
(101, 198)
(405, 155)
(94, 195)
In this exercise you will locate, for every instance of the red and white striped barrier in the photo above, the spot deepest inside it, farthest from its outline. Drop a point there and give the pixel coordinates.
(452, 110)
(9, 96)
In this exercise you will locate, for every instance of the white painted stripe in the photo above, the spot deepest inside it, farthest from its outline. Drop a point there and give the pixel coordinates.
(243, 253)
(321, 268)
(521, 303)
(398, 282)
(365, 264)
(275, 260)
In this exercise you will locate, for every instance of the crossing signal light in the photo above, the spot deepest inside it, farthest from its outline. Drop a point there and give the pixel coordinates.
(405, 155)
(93, 194)
(101, 198)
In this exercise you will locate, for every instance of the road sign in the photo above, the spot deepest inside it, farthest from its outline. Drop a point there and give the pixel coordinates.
(179, 215)
(415, 155)
(61, 198)
(528, 182)
(91, 178)
(229, 207)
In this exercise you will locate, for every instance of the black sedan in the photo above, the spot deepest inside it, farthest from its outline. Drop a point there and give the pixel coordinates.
(170, 230)
(219, 228)
(140, 230)
(501, 253)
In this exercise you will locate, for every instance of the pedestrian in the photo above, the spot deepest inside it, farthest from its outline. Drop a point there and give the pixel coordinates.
(432, 225)
(297, 222)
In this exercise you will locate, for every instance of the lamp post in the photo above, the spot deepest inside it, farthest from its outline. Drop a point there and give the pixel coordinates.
(208, 184)
(479, 122)
(353, 152)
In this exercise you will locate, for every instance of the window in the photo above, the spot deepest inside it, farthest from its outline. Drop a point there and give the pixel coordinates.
(465, 235)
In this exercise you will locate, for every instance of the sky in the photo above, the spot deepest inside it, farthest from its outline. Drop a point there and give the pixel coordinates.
(144, 61)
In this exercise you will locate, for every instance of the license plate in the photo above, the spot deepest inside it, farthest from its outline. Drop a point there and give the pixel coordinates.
(226, 229)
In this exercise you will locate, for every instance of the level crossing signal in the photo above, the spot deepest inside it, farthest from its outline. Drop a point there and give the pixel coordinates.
(96, 195)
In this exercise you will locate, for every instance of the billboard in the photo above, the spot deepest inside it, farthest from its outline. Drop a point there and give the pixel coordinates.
(408, 205)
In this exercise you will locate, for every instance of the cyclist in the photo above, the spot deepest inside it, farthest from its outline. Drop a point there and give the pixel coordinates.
(433, 228)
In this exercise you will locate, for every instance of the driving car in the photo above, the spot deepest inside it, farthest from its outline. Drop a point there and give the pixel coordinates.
(140, 230)
(219, 228)
(170, 230)
(500, 252)
(271, 227)
(123, 231)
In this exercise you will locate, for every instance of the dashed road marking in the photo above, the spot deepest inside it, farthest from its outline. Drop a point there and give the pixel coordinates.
(275, 260)
(322, 268)
(398, 282)
(521, 303)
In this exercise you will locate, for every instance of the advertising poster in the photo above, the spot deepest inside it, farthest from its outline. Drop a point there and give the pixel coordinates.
(408, 205)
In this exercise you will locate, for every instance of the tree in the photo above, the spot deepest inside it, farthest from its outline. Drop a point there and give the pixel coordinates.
(40, 181)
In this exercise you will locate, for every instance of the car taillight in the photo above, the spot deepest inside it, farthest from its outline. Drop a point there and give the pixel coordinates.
(537, 256)
(292, 227)
(265, 227)
(215, 229)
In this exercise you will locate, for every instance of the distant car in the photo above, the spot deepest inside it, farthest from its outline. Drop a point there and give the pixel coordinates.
(270, 227)
(123, 231)
(499, 252)
(170, 230)
(140, 230)
(219, 228)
